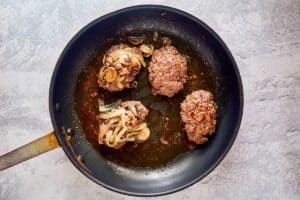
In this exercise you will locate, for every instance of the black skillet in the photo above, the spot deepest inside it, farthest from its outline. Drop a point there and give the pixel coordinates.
(186, 169)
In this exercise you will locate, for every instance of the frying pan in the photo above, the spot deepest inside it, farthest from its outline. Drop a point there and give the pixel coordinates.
(184, 170)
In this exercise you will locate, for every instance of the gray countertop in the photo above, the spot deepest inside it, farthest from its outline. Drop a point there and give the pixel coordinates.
(264, 37)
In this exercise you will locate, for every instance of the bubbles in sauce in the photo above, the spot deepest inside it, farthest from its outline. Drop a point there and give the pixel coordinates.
(168, 139)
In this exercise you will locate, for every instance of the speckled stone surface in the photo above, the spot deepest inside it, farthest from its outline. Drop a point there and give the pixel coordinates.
(264, 37)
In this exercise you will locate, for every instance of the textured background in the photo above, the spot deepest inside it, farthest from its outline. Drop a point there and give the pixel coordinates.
(264, 37)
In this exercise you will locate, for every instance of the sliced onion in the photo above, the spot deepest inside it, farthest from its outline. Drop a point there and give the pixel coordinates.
(133, 110)
(108, 107)
(140, 127)
(143, 135)
(112, 114)
(120, 134)
(107, 138)
(122, 126)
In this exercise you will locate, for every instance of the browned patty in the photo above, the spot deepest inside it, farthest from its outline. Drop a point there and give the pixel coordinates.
(167, 71)
(198, 112)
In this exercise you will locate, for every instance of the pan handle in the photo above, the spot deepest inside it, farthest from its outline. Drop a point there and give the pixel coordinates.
(30, 150)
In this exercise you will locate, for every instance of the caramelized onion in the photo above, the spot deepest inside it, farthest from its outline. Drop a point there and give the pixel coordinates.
(121, 124)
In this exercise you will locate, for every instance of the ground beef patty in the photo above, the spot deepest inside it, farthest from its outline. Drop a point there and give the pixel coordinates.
(198, 112)
(167, 71)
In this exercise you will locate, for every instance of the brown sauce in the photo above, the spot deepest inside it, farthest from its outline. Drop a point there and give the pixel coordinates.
(167, 140)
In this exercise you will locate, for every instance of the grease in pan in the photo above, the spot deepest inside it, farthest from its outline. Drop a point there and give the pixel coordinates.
(168, 138)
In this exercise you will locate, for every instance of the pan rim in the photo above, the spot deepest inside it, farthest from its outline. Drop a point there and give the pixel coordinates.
(116, 12)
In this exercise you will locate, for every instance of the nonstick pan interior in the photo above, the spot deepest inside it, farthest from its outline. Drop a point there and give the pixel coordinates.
(184, 170)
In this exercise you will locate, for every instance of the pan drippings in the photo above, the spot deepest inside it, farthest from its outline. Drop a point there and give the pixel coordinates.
(167, 139)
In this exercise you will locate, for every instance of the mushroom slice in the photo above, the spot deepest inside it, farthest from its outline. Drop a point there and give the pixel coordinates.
(124, 71)
(125, 59)
(147, 49)
(136, 53)
(136, 40)
(117, 65)
(140, 58)
(166, 41)
(121, 55)
(143, 135)
(120, 82)
(110, 74)
(135, 63)
(107, 60)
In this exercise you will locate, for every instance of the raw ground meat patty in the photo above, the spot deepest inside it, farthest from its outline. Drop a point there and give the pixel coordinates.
(198, 112)
(167, 71)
